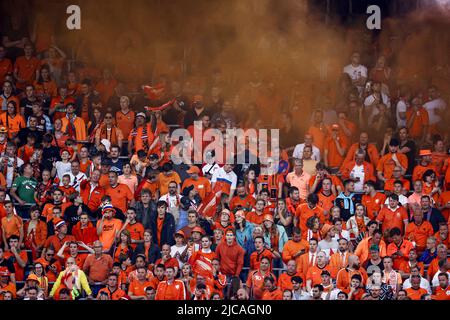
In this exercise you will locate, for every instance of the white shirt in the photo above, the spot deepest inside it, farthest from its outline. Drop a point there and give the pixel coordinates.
(358, 172)
(76, 180)
(343, 234)
(435, 280)
(172, 201)
(333, 294)
(356, 72)
(211, 168)
(401, 107)
(401, 198)
(432, 106)
(298, 152)
(229, 178)
(373, 111)
(62, 168)
(10, 171)
(424, 284)
(328, 246)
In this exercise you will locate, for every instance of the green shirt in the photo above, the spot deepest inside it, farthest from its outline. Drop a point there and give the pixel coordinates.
(25, 188)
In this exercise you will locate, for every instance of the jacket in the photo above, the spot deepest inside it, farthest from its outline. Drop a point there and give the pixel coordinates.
(87, 235)
(143, 215)
(154, 252)
(168, 228)
(92, 199)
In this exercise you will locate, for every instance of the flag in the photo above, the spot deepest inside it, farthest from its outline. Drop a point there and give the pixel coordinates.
(208, 206)
(156, 92)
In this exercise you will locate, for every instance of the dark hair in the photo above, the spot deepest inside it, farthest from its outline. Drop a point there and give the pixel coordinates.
(395, 232)
(161, 203)
(312, 198)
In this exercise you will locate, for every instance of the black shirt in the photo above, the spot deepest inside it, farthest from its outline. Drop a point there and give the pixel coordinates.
(49, 155)
(23, 133)
(411, 155)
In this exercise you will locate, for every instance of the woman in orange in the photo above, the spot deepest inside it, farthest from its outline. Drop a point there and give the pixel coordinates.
(313, 224)
(109, 132)
(60, 136)
(250, 182)
(35, 232)
(431, 185)
(11, 120)
(123, 248)
(45, 87)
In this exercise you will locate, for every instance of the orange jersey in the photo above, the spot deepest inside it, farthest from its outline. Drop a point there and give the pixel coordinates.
(419, 233)
(255, 281)
(254, 217)
(114, 295)
(171, 291)
(389, 184)
(442, 293)
(386, 165)
(137, 288)
(136, 232)
(326, 202)
(12, 124)
(415, 294)
(202, 185)
(26, 68)
(125, 122)
(419, 170)
(420, 121)
(373, 204)
(304, 212)
(392, 219)
(120, 196)
(405, 247)
(5, 68)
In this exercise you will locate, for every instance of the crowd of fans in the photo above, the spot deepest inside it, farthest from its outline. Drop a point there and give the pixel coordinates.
(92, 207)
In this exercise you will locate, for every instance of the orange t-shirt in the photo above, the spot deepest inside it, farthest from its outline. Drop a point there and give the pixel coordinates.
(442, 201)
(120, 196)
(319, 134)
(415, 294)
(26, 68)
(165, 180)
(108, 234)
(12, 225)
(419, 170)
(373, 204)
(5, 68)
(304, 212)
(421, 120)
(419, 233)
(255, 281)
(389, 184)
(442, 294)
(12, 124)
(386, 165)
(254, 217)
(125, 122)
(202, 185)
(314, 274)
(116, 295)
(334, 158)
(159, 226)
(136, 232)
(326, 202)
(391, 219)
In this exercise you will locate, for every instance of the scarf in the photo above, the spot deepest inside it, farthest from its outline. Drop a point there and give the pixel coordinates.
(110, 135)
(71, 130)
(72, 281)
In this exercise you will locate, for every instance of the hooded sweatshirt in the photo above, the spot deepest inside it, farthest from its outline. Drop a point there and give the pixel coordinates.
(231, 258)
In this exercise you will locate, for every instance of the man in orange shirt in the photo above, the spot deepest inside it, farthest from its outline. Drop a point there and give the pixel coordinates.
(12, 224)
(371, 152)
(59, 238)
(399, 248)
(415, 292)
(108, 227)
(418, 231)
(121, 195)
(389, 184)
(112, 289)
(171, 289)
(318, 130)
(295, 248)
(335, 147)
(260, 252)
(285, 279)
(424, 165)
(372, 200)
(393, 216)
(12, 121)
(358, 169)
(201, 184)
(125, 117)
(343, 277)
(136, 289)
(443, 290)
(271, 292)
(299, 178)
(362, 250)
(307, 210)
(417, 120)
(135, 228)
(444, 204)
(326, 196)
(313, 276)
(255, 279)
(98, 265)
(242, 200)
(390, 160)
(26, 67)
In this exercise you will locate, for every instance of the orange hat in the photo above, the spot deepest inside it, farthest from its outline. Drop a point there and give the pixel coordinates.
(198, 229)
(425, 152)
(193, 169)
(181, 233)
(240, 213)
(58, 223)
(325, 229)
(33, 277)
(198, 98)
(268, 217)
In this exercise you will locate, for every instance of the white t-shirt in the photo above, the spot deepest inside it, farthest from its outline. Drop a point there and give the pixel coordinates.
(62, 168)
(401, 107)
(435, 280)
(75, 181)
(229, 178)
(298, 152)
(356, 72)
(432, 106)
(172, 201)
(358, 172)
(211, 168)
(401, 198)
(424, 284)
(328, 246)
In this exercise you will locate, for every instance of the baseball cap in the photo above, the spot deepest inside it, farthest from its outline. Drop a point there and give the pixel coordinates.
(181, 233)
(33, 277)
(193, 169)
(141, 114)
(425, 152)
(4, 272)
(198, 229)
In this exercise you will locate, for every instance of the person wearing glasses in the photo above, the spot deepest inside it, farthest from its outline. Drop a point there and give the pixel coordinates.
(109, 131)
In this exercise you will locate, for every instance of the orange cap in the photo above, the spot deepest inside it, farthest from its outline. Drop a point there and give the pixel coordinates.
(268, 217)
(425, 152)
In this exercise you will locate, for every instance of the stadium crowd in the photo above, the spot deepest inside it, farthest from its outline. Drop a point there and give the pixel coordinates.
(92, 207)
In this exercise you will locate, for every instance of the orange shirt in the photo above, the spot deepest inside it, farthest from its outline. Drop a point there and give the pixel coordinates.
(115, 295)
(442, 201)
(334, 158)
(120, 196)
(255, 281)
(12, 225)
(12, 124)
(304, 212)
(26, 68)
(164, 181)
(136, 232)
(19, 270)
(420, 121)
(319, 134)
(389, 184)
(254, 217)
(172, 291)
(202, 185)
(109, 230)
(246, 203)
(125, 122)
(159, 226)
(314, 274)
(373, 204)
(391, 219)
(442, 294)
(419, 233)
(48, 88)
(386, 165)
(255, 258)
(291, 248)
(326, 202)
(284, 281)
(344, 276)
(301, 182)
(272, 295)
(5, 68)
(56, 242)
(439, 240)
(415, 294)
(106, 89)
(371, 150)
(419, 170)
(405, 247)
